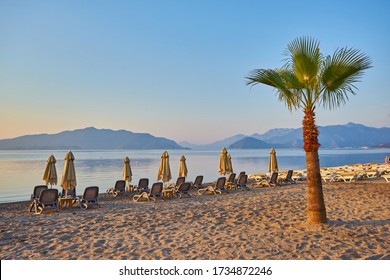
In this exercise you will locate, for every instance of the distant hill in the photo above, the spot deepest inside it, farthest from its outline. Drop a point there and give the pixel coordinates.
(89, 139)
(273, 133)
(288, 137)
(350, 135)
(353, 135)
(252, 143)
(215, 145)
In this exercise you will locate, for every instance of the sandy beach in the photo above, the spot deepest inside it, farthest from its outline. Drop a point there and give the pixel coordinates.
(264, 223)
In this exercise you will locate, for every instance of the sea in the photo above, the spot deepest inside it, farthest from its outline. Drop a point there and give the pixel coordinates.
(20, 170)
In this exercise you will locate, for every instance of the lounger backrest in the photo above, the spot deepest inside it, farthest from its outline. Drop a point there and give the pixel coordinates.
(48, 196)
(274, 177)
(184, 187)
(289, 175)
(156, 188)
(198, 180)
(242, 180)
(143, 184)
(221, 183)
(231, 178)
(71, 192)
(120, 185)
(38, 189)
(242, 173)
(180, 180)
(91, 193)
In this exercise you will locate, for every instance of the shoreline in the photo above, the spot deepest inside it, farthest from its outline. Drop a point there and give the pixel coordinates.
(264, 223)
(104, 169)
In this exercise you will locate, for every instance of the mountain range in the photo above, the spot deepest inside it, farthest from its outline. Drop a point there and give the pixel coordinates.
(350, 135)
(89, 138)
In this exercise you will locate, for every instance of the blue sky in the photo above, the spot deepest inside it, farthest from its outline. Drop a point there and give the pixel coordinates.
(175, 69)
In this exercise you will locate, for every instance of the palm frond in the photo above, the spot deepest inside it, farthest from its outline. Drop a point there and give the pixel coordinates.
(308, 79)
(281, 80)
(305, 60)
(339, 74)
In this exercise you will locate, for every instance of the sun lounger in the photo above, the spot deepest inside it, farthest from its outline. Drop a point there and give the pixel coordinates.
(345, 177)
(119, 188)
(386, 177)
(177, 184)
(242, 183)
(241, 173)
(183, 190)
(373, 174)
(230, 181)
(154, 194)
(257, 177)
(328, 177)
(143, 185)
(89, 198)
(37, 191)
(48, 200)
(35, 196)
(288, 179)
(299, 175)
(198, 183)
(272, 182)
(218, 188)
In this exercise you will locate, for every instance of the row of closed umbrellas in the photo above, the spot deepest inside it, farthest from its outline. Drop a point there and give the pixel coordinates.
(68, 180)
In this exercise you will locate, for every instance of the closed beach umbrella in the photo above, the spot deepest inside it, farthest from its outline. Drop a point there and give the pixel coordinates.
(273, 163)
(50, 175)
(230, 165)
(183, 167)
(164, 171)
(223, 162)
(127, 170)
(68, 181)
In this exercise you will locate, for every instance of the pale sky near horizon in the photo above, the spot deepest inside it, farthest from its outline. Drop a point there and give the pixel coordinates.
(176, 69)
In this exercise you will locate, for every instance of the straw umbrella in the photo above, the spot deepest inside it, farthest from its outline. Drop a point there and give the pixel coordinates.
(223, 162)
(127, 174)
(183, 167)
(164, 171)
(50, 174)
(230, 165)
(68, 181)
(273, 163)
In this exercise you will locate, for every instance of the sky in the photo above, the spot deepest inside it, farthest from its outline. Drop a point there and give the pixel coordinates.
(176, 69)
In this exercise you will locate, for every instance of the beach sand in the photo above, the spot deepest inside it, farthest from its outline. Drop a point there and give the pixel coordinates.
(266, 223)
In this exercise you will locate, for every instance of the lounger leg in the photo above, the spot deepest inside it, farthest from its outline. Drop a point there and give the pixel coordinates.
(31, 206)
(38, 209)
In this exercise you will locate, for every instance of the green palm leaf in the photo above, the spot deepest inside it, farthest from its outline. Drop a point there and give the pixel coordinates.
(304, 60)
(281, 80)
(339, 74)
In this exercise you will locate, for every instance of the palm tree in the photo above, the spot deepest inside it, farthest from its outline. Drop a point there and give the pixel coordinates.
(306, 80)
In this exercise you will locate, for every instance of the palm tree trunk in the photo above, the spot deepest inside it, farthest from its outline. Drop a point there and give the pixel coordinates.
(316, 212)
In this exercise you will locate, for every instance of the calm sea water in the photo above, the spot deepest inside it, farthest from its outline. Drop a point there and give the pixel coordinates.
(20, 171)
